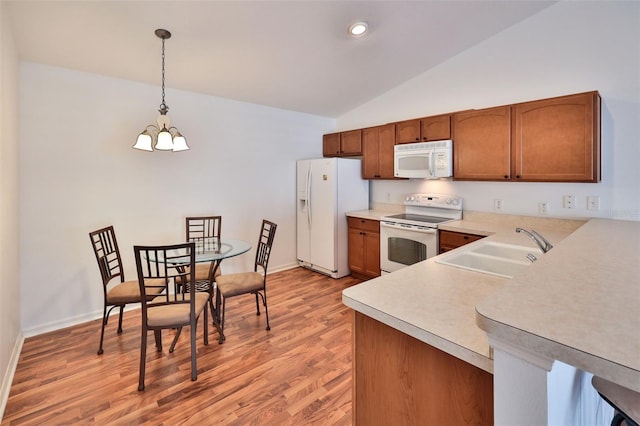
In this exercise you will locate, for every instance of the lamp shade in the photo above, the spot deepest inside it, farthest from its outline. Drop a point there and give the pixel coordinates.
(179, 143)
(165, 141)
(144, 142)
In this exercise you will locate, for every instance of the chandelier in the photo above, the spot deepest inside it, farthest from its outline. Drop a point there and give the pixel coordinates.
(163, 135)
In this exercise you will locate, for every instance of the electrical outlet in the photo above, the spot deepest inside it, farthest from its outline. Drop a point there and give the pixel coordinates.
(569, 201)
(593, 202)
(543, 207)
(497, 205)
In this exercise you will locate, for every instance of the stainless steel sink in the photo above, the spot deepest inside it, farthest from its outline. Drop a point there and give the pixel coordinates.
(489, 257)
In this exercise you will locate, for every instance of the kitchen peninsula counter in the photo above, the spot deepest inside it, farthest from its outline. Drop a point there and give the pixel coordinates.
(577, 304)
(435, 303)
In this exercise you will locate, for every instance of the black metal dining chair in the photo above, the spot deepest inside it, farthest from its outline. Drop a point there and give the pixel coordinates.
(255, 282)
(158, 268)
(117, 292)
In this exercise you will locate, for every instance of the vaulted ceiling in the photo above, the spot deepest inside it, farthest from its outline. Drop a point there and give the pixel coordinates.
(294, 55)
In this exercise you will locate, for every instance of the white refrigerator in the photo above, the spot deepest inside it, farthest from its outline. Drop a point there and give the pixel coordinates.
(327, 188)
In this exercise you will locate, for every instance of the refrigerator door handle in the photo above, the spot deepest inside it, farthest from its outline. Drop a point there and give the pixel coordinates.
(309, 195)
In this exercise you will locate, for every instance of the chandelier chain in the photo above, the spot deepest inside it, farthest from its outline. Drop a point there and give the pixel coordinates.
(163, 106)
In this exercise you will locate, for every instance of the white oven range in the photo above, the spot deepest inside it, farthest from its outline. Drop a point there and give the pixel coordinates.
(412, 236)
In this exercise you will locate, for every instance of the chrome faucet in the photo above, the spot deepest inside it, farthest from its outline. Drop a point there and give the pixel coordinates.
(541, 241)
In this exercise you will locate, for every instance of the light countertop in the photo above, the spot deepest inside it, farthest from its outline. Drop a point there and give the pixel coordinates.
(578, 303)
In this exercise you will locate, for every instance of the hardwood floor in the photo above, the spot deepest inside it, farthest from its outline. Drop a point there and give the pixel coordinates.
(297, 373)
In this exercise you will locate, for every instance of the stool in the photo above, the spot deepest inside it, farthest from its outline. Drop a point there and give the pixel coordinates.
(625, 401)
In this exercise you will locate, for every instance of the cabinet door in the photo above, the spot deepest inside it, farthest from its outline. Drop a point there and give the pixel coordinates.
(377, 152)
(372, 254)
(356, 251)
(449, 240)
(387, 140)
(435, 128)
(371, 153)
(331, 145)
(557, 139)
(481, 144)
(408, 131)
(351, 142)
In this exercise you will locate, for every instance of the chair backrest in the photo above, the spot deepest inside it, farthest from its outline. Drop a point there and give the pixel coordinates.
(158, 269)
(265, 241)
(198, 228)
(105, 247)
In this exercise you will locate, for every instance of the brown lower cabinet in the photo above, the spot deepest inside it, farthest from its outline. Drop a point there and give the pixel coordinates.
(364, 247)
(399, 380)
(449, 240)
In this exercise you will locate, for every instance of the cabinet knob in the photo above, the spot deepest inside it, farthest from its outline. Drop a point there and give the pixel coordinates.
(517, 176)
(418, 139)
(506, 176)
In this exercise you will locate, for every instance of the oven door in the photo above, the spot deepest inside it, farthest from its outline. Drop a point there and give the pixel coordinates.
(402, 245)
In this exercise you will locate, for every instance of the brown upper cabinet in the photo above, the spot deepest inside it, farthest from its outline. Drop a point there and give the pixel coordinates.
(550, 140)
(424, 129)
(342, 144)
(557, 139)
(377, 152)
(482, 144)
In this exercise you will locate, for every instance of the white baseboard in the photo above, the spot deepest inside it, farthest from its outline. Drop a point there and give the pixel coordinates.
(70, 321)
(5, 387)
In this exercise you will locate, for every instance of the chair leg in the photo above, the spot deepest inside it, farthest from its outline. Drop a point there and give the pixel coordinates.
(266, 309)
(257, 305)
(212, 308)
(120, 319)
(194, 368)
(206, 326)
(143, 357)
(221, 323)
(175, 340)
(104, 323)
(158, 335)
(218, 318)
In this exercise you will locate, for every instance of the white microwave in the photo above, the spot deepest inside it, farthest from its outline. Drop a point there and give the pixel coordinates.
(426, 160)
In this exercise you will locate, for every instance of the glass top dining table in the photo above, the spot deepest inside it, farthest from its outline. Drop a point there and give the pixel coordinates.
(212, 249)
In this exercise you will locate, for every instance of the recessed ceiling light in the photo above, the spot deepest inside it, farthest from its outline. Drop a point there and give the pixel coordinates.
(358, 29)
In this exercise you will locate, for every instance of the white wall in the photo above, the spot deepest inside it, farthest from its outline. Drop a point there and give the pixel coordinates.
(78, 173)
(570, 47)
(10, 336)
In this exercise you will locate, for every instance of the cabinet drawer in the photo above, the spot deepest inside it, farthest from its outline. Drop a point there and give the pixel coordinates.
(457, 239)
(364, 224)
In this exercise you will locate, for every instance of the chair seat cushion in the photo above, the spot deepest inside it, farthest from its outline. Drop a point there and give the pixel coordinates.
(174, 313)
(245, 282)
(129, 292)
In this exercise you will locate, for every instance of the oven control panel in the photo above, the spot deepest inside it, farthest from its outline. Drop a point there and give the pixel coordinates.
(443, 201)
